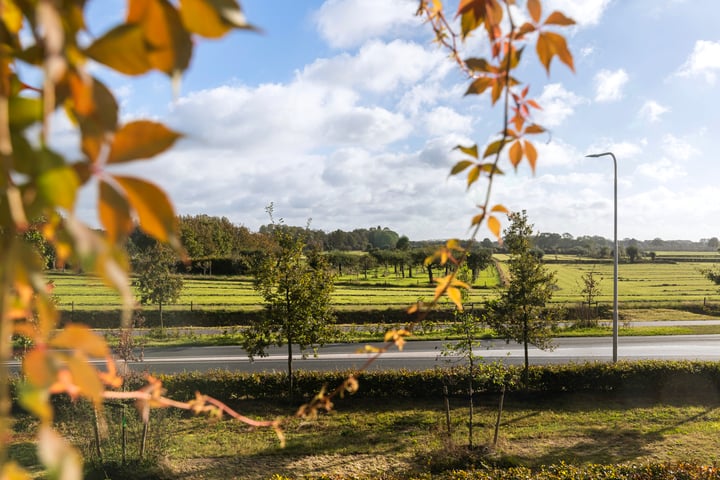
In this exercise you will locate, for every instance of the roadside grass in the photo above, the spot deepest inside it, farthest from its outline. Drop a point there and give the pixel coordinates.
(365, 438)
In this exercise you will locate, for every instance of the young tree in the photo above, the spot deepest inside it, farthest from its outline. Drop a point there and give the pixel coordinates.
(520, 313)
(468, 328)
(633, 253)
(156, 281)
(296, 291)
(590, 290)
(712, 274)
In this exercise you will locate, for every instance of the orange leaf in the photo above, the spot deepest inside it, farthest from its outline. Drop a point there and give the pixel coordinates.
(114, 212)
(37, 368)
(550, 44)
(139, 140)
(478, 64)
(531, 154)
(534, 128)
(79, 337)
(516, 153)
(494, 226)
(152, 206)
(169, 44)
(558, 18)
(535, 9)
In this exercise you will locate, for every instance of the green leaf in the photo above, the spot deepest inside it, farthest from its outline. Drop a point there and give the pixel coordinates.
(58, 186)
(24, 111)
(460, 166)
(494, 148)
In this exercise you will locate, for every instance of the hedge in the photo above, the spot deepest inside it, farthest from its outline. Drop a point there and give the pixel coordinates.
(653, 471)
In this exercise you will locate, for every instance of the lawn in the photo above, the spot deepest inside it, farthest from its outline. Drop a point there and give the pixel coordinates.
(366, 437)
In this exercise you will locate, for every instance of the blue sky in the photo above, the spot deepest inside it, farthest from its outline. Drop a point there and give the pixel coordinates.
(345, 112)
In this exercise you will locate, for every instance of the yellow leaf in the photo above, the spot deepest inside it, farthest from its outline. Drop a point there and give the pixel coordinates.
(140, 139)
(12, 471)
(200, 17)
(473, 175)
(79, 337)
(86, 378)
(114, 212)
(494, 226)
(515, 153)
(455, 295)
(500, 208)
(11, 17)
(58, 186)
(152, 206)
(494, 148)
(368, 349)
(123, 49)
(531, 154)
(460, 166)
(477, 219)
(453, 244)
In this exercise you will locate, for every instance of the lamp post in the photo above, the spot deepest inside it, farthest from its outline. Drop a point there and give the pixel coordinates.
(615, 269)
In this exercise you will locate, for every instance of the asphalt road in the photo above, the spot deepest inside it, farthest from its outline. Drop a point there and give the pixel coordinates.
(419, 355)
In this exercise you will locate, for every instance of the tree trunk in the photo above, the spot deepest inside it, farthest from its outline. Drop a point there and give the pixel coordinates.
(290, 369)
(162, 325)
(525, 344)
(499, 415)
(430, 273)
(470, 395)
(143, 440)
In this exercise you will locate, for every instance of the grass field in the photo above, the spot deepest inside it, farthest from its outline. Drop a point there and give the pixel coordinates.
(640, 284)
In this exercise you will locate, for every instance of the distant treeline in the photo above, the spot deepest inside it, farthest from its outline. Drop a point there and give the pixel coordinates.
(215, 245)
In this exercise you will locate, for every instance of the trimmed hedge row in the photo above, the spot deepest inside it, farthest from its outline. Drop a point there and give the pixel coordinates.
(227, 318)
(658, 380)
(653, 471)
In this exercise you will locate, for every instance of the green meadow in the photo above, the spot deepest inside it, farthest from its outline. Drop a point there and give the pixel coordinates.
(641, 285)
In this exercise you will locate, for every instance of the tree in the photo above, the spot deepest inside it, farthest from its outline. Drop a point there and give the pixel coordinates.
(296, 291)
(468, 328)
(156, 281)
(520, 313)
(713, 243)
(590, 290)
(712, 274)
(633, 253)
(478, 259)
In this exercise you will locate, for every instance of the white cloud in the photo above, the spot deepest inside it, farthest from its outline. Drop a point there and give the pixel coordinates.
(349, 23)
(585, 12)
(444, 120)
(378, 67)
(651, 111)
(557, 105)
(678, 148)
(662, 171)
(703, 61)
(609, 85)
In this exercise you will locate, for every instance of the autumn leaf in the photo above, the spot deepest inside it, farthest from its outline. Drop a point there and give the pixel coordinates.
(473, 175)
(123, 49)
(479, 86)
(531, 154)
(114, 212)
(59, 186)
(494, 226)
(535, 9)
(515, 153)
(558, 18)
(81, 338)
(472, 150)
(549, 45)
(140, 139)
(460, 166)
(499, 208)
(152, 207)
(212, 18)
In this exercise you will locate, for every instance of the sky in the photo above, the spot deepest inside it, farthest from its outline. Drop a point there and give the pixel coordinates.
(346, 113)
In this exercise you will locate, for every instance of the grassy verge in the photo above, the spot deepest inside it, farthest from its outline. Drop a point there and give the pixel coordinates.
(364, 439)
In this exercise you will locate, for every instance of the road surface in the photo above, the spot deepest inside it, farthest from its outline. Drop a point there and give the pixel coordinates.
(418, 355)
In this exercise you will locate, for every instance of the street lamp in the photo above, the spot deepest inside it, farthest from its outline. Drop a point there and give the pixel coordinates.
(615, 269)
